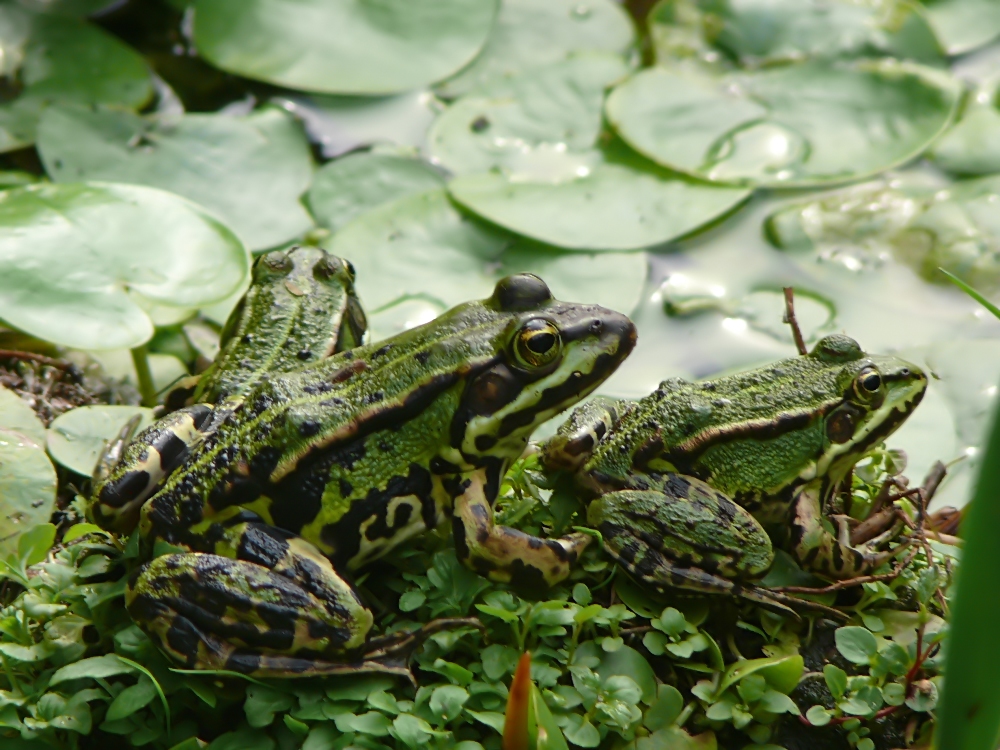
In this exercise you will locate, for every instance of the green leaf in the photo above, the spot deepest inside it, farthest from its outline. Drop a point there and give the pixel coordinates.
(391, 46)
(141, 247)
(419, 256)
(131, 699)
(664, 709)
(447, 701)
(793, 125)
(34, 544)
(242, 739)
(262, 703)
(551, 177)
(781, 672)
(27, 496)
(856, 644)
(836, 680)
(778, 703)
(963, 25)
(249, 171)
(818, 716)
(411, 600)
(92, 668)
(17, 415)
(529, 35)
(76, 438)
(344, 189)
(547, 733)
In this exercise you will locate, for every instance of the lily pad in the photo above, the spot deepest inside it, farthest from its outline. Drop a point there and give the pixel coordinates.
(79, 261)
(957, 228)
(420, 255)
(343, 46)
(972, 145)
(77, 437)
(63, 59)
(249, 171)
(963, 25)
(343, 123)
(344, 189)
(17, 415)
(754, 33)
(529, 34)
(797, 125)
(527, 158)
(27, 487)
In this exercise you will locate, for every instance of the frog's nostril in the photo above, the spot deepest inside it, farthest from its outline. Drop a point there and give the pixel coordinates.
(596, 326)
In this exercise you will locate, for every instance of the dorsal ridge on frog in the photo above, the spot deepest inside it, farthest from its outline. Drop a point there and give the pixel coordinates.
(331, 466)
(778, 440)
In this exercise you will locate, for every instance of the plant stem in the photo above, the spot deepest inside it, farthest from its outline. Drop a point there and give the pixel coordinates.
(140, 358)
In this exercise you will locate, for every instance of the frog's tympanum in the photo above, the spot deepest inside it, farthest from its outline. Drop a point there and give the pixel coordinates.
(686, 480)
(314, 472)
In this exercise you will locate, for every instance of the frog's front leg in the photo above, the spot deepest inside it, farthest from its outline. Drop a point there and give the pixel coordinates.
(254, 599)
(817, 549)
(577, 437)
(501, 553)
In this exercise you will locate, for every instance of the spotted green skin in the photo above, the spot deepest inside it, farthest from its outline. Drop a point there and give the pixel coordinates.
(301, 307)
(316, 472)
(723, 466)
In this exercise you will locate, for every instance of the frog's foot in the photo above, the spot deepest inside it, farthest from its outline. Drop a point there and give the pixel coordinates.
(819, 550)
(504, 554)
(577, 437)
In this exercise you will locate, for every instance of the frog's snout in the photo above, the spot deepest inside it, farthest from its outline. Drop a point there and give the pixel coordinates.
(617, 332)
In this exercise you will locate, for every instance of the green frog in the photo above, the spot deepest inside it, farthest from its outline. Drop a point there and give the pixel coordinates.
(301, 307)
(690, 484)
(315, 472)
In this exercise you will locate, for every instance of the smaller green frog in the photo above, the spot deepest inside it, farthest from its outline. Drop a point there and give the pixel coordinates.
(688, 482)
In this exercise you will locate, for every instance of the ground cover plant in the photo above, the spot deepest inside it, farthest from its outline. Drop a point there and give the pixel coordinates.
(681, 162)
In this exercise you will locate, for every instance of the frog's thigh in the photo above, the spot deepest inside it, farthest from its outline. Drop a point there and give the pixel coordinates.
(816, 549)
(504, 554)
(282, 612)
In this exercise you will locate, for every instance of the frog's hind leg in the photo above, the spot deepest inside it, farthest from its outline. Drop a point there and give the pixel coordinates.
(269, 604)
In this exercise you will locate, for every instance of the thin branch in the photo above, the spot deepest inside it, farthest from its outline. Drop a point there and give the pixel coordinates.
(849, 582)
(789, 318)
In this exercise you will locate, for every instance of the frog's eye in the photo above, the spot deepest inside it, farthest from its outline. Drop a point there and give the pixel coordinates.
(537, 344)
(327, 267)
(277, 263)
(868, 383)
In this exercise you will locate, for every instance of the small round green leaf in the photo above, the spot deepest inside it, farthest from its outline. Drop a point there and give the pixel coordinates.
(27, 487)
(78, 262)
(529, 34)
(77, 437)
(343, 46)
(348, 187)
(794, 125)
(419, 256)
(17, 416)
(856, 644)
(249, 171)
(527, 158)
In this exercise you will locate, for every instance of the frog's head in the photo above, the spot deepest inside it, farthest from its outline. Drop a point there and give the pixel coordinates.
(328, 282)
(547, 356)
(876, 394)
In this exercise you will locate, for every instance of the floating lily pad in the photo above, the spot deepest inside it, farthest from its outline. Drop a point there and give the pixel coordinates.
(17, 415)
(343, 46)
(963, 25)
(957, 228)
(249, 171)
(972, 145)
(422, 255)
(343, 123)
(27, 487)
(760, 32)
(529, 34)
(63, 59)
(78, 261)
(77, 438)
(344, 189)
(527, 158)
(797, 125)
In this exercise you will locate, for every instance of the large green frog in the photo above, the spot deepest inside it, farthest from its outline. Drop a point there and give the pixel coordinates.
(688, 481)
(313, 473)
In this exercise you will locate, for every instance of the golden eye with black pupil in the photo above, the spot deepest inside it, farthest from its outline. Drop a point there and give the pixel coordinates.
(537, 343)
(868, 383)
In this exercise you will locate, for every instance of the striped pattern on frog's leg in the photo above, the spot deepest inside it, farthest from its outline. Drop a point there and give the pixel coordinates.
(501, 553)
(576, 438)
(818, 550)
(256, 600)
(119, 492)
